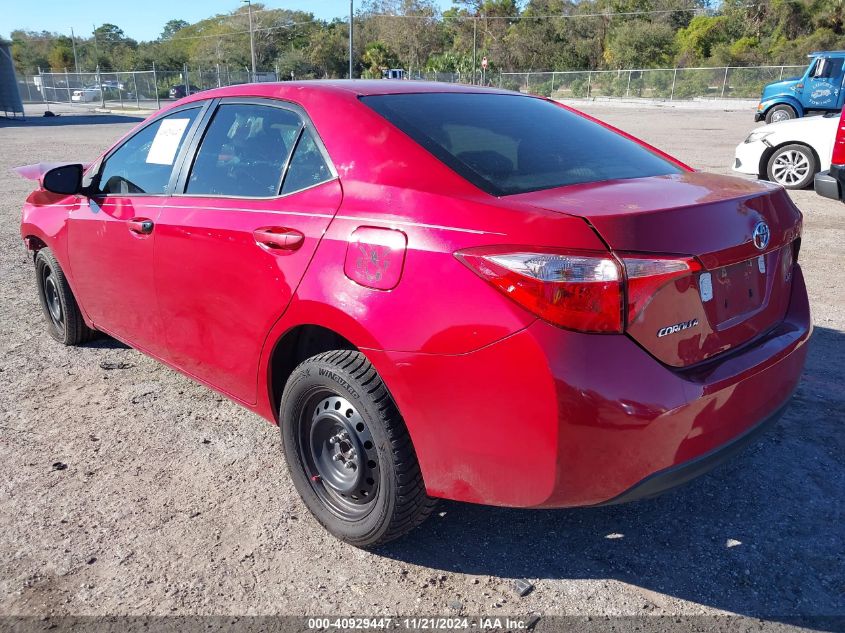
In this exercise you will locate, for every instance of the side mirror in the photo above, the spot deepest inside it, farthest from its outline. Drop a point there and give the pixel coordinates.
(66, 179)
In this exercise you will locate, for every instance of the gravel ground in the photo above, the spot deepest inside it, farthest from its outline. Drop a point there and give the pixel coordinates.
(128, 489)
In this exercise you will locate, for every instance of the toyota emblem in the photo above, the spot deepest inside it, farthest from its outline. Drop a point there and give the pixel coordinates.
(760, 236)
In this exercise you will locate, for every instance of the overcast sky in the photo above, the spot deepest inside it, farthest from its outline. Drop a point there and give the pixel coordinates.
(142, 20)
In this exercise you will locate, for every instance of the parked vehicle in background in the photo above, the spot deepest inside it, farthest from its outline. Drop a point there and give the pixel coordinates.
(180, 90)
(790, 152)
(831, 183)
(435, 290)
(85, 95)
(111, 84)
(818, 90)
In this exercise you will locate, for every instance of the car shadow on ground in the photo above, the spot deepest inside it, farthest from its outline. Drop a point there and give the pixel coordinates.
(69, 119)
(762, 535)
(106, 342)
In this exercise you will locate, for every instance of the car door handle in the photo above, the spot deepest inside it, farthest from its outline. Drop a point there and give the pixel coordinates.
(278, 238)
(142, 226)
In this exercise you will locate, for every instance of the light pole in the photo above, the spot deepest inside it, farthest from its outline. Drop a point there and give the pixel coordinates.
(251, 36)
(350, 39)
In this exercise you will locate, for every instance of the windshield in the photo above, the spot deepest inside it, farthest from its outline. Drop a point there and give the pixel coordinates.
(509, 144)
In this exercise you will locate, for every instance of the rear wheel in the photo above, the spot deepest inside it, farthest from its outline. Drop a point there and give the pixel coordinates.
(64, 319)
(348, 451)
(779, 113)
(792, 166)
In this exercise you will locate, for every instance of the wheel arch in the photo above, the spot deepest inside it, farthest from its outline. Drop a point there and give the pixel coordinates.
(34, 243)
(294, 346)
(791, 102)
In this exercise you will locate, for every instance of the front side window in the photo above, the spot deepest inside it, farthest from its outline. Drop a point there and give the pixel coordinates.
(828, 67)
(244, 151)
(144, 163)
(509, 144)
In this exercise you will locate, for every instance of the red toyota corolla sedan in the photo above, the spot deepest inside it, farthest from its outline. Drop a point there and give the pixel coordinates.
(435, 291)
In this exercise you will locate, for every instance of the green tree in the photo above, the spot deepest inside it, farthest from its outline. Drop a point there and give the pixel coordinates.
(171, 28)
(640, 44)
(109, 34)
(378, 57)
(61, 54)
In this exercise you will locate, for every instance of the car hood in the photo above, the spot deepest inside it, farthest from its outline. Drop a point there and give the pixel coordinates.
(778, 88)
(795, 127)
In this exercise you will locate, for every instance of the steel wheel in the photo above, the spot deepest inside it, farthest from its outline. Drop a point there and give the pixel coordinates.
(348, 451)
(51, 297)
(61, 312)
(780, 115)
(339, 454)
(780, 112)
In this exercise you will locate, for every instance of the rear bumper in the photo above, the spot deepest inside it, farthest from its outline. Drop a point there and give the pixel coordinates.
(675, 476)
(552, 418)
(831, 184)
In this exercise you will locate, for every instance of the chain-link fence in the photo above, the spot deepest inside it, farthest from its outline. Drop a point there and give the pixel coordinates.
(149, 88)
(138, 90)
(727, 82)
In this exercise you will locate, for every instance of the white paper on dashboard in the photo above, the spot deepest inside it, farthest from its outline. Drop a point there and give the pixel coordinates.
(166, 141)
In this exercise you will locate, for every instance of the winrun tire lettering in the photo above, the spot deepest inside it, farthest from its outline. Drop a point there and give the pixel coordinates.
(333, 376)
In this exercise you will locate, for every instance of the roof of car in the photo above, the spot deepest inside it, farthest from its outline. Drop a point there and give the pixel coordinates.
(361, 87)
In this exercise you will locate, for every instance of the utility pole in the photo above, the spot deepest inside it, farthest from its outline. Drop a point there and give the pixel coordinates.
(73, 43)
(350, 39)
(251, 37)
(96, 50)
(474, 45)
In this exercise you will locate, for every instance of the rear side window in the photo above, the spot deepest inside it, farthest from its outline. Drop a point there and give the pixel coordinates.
(307, 167)
(143, 164)
(509, 144)
(244, 151)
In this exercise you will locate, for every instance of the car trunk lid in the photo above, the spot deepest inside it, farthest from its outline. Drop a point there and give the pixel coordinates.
(736, 289)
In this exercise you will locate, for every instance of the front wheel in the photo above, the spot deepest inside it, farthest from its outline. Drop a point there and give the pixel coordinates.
(348, 451)
(780, 113)
(792, 166)
(61, 312)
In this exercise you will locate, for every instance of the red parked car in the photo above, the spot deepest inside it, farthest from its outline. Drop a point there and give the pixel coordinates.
(435, 291)
(831, 183)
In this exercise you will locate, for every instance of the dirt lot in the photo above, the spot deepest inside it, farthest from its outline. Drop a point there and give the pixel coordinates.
(176, 501)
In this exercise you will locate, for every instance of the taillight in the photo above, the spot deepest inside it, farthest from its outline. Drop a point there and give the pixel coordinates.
(578, 290)
(646, 275)
(838, 157)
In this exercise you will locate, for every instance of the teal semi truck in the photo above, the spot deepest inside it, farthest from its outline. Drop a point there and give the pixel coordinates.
(818, 90)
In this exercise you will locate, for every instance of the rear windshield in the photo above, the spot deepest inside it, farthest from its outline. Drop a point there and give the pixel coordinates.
(508, 144)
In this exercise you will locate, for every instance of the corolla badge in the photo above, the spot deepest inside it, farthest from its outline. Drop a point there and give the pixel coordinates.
(678, 327)
(761, 236)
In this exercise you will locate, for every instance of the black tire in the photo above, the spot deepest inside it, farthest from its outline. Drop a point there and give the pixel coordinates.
(379, 494)
(792, 166)
(64, 319)
(780, 112)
